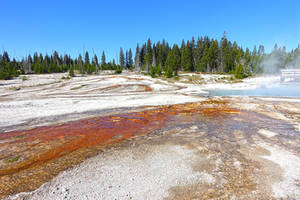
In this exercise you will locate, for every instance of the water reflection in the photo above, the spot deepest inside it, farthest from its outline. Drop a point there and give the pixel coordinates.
(279, 90)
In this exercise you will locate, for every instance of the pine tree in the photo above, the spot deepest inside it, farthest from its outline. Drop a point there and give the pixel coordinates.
(148, 56)
(56, 60)
(204, 64)
(130, 61)
(169, 72)
(80, 64)
(153, 60)
(47, 62)
(223, 53)
(187, 58)
(43, 67)
(96, 63)
(5, 57)
(103, 59)
(126, 59)
(40, 58)
(137, 59)
(29, 61)
(182, 49)
(213, 55)
(143, 53)
(173, 60)
(1, 62)
(160, 55)
(86, 58)
(192, 46)
(122, 59)
(177, 59)
(198, 54)
(239, 72)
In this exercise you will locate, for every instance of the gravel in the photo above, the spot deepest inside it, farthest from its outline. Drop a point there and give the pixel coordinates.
(144, 172)
(288, 187)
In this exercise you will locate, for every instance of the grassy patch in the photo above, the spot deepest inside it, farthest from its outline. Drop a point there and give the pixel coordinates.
(76, 88)
(19, 136)
(14, 88)
(65, 77)
(236, 81)
(228, 79)
(24, 78)
(11, 160)
(195, 79)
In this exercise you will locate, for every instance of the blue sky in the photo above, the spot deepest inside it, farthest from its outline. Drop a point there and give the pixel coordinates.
(73, 26)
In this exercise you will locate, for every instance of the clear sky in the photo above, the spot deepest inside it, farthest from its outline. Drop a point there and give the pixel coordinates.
(73, 26)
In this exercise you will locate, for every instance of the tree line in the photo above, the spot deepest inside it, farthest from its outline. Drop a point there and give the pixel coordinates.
(201, 55)
(55, 63)
(210, 55)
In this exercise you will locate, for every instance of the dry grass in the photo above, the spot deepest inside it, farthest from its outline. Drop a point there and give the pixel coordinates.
(194, 79)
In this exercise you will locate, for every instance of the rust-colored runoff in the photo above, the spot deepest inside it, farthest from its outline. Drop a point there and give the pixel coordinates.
(55, 141)
(26, 150)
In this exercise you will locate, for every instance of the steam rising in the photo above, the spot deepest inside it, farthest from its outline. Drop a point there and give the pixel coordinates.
(270, 64)
(279, 59)
(295, 63)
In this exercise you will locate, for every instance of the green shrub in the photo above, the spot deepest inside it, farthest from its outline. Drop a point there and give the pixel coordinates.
(158, 71)
(239, 72)
(14, 159)
(169, 72)
(153, 72)
(24, 78)
(71, 72)
(118, 70)
(5, 75)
